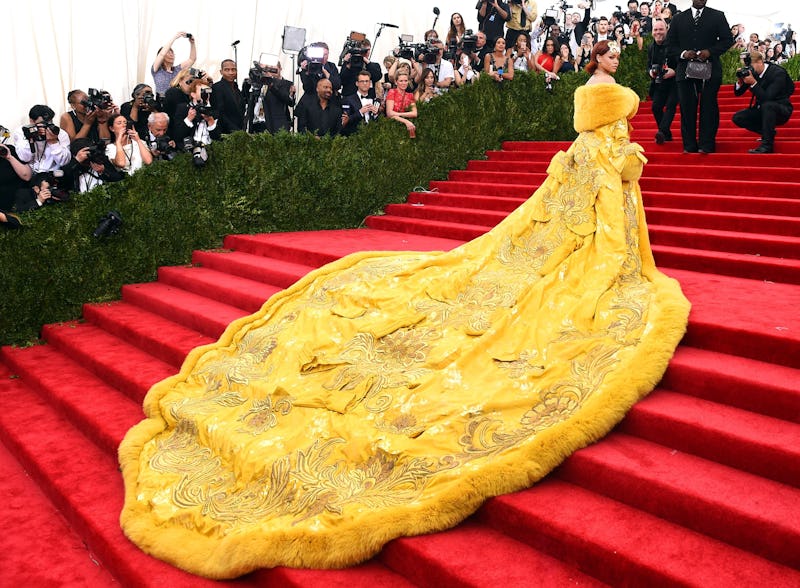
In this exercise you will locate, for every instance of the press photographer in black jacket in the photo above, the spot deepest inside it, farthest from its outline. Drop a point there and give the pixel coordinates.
(663, 90)
(770, 106)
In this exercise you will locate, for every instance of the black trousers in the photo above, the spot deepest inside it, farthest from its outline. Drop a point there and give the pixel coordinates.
(764, 119)
(665, 102)
(692, 93)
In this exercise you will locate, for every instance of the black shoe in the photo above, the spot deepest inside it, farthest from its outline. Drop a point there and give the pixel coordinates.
(690, 150)
(667, 137)
(763, 148)
(705, 151)
(12, 220)
(660, 138)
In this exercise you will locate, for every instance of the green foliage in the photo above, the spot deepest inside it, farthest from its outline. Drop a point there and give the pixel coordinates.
(265, 183)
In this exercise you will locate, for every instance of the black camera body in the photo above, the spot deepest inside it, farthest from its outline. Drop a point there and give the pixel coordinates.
(35, 132)
(164, 147)
(109, 224)
(427, 53)
(657, 70)
(198, 151)
(97, 152)
(3, 151)
(97, 100)
(260, 75)
(203, 108)
(155, 102)
(469, 41)
(356, 51)
(747, 70)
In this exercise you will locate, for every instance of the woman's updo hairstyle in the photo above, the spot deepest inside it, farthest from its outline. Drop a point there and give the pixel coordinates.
(600, 48)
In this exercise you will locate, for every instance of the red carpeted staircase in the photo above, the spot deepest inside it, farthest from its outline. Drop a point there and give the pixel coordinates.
(699, 485)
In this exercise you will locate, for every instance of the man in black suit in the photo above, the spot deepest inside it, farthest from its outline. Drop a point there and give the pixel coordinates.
(227, 100)
(699, 34)
(770, 106)
(663, 91)
(360, 107)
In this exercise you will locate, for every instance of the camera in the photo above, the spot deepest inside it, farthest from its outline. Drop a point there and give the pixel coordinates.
(189, 36)
(109, 224)
(451, 51)
(747, 70)
(548, 82)
(353, 46)
(154, 102)
(202, 107)
(260, 75)
(469, 41)
(3, 151)
(313, 56)
(198, 151)
(97, 100)
(97, 152)
(427, 52)
(657, 70)
(164, 147)
(35, 132)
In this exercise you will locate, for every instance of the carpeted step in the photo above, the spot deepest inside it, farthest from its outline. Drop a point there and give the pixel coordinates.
(624, 546)
(320, 247)
(476, 555)
(93, 407)
(255, 267)
(748, 318)
(726, 221)
(150, 332)
(119, 363)
(206, 316)
(651, 170)
(243, 293)
(741, 159)
(729, 241)
(723, 147)
(761, 445)
(465, 201)
(694, 493)
(485, 188)
(467, 216)
(426, 227)
(499, 176)
(83, 482)
(731, 204)
(722, 263)
(752, 385)
(61, 558)
(647, 133)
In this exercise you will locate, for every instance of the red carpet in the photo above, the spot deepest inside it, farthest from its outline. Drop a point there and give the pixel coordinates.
(699, 485)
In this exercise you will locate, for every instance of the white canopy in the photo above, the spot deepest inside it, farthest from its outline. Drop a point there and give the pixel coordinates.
(54, 46)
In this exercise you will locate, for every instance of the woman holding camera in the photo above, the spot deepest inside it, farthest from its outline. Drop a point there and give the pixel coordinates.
(164, 69)
(521, 54)
(128, 152)
(139, 108)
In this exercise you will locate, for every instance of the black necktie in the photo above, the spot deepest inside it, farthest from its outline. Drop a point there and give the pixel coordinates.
(697, 17)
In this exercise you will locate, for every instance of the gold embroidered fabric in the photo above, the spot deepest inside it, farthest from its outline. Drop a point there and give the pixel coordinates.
(389, 394)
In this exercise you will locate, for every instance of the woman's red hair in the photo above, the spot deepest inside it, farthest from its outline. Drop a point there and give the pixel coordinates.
(600, 48)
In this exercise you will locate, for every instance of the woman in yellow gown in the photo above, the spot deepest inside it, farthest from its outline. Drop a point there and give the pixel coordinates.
(390, 394)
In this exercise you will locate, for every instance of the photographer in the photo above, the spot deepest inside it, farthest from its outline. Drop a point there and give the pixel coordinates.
(164, 69)
(443, 68)
(354, 63)
(492, 17)
(161, 145)
(14, 175)
(577, 26)
(44, 190)
(632, 14)
(88, 117)
(196, 125)
(128, 151)
(522, 14)
(601, 30)
(89, 167)
(228, 100)
(139, 108)
(770, 105)
(41, 144)
(269, 97)
(663, 90)
(314, 68)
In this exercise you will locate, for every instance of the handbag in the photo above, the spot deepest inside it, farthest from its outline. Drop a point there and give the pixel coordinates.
(698, 70)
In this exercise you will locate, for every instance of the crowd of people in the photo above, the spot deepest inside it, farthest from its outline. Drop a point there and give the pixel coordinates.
(97, 141)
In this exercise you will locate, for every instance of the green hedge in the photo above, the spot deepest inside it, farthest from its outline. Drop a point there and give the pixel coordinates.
(264, 183)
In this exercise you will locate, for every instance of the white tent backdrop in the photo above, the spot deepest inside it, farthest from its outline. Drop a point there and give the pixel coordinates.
(54, 46)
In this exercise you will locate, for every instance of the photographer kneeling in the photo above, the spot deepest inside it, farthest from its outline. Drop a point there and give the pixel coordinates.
(196, 124)
(89, 166)
(161, 145)
(771, 87)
